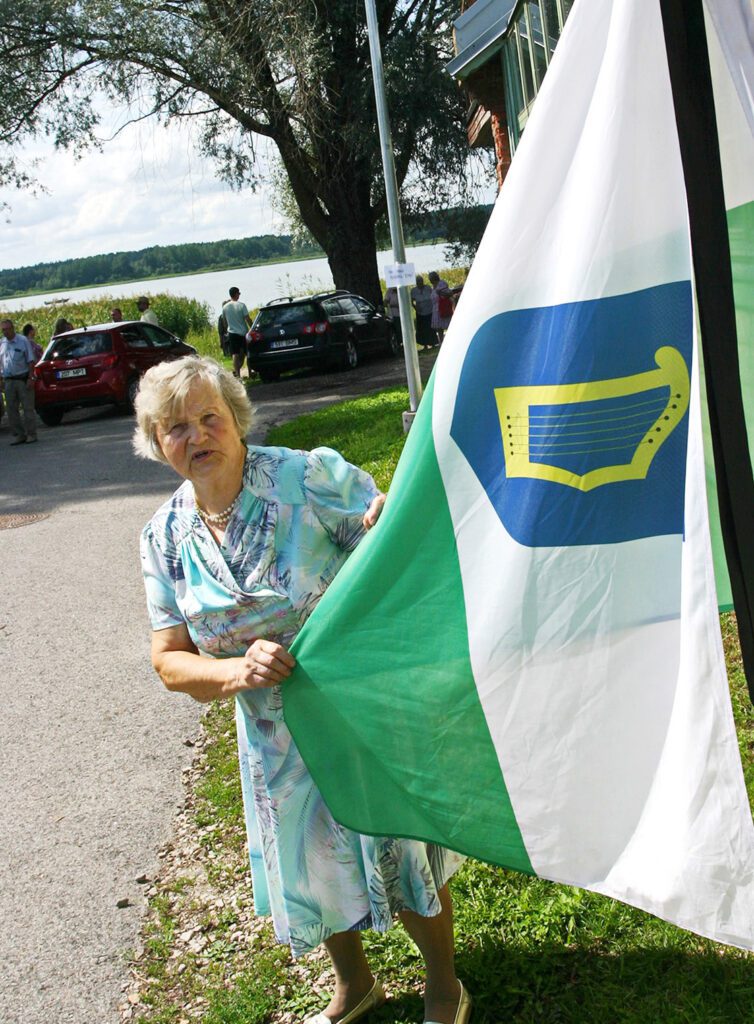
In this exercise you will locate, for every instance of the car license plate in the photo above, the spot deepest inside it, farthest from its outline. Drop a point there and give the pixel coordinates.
(81, 372)
(285, 343)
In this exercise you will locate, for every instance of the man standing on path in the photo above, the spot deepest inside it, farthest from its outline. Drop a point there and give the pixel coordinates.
(238, 320)
(16, 362)
(147, 315)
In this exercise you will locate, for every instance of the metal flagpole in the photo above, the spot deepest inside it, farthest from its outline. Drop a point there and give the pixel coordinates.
(394, 216)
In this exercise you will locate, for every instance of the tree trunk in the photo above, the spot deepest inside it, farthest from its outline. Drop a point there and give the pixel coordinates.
(353, 262)
(339, 215)
(352, 249)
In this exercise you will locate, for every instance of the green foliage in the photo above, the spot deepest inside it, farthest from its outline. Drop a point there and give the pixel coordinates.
(465, 227)
(180, 315)
(219, 797)
(367, 431)
(298, 75)
(254, 996)
(158, 260)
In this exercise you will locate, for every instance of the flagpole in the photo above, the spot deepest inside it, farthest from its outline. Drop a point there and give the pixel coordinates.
(693, 101)
(394, 215)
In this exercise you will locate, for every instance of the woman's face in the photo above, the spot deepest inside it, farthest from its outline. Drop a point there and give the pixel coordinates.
(201, 441)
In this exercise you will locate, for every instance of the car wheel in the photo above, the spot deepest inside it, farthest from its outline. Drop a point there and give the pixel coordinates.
(350, 354)
(393, 341)
(50, 417)
(269, 376)
(132, 391)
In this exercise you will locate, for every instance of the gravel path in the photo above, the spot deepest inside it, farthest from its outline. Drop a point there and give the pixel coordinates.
(92, 746)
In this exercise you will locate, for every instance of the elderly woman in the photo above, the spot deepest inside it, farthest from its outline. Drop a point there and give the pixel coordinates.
(233, 564)
(442, 305)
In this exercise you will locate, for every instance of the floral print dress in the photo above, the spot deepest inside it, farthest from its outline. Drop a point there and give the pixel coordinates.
(299, 517)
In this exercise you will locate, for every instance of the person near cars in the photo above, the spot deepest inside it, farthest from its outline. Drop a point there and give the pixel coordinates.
(148, 315)
(116, 315)
(442, 305)
(238, 320)
(392, 308)
(222, 330)
(233, 565)
(16, 362)
(421, 299)
(30, 333)
(61, 326)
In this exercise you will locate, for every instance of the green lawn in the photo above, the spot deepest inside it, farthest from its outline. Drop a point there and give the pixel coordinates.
(531, 952)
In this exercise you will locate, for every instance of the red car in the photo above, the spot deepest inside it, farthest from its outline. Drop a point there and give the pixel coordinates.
(99, 365)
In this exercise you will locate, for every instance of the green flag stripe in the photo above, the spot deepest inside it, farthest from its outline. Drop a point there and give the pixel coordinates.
(399, 601)
(741, 235)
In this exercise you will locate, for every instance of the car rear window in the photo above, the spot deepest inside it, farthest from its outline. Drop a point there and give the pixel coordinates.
(79, 345)
(286, 314)
(160, 338)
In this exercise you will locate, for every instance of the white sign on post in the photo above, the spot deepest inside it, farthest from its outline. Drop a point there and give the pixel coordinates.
(399, 275)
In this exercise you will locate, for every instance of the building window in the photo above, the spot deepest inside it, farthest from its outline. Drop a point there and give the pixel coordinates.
(553, 26)
(535, 29)
(514, 97)
(536, 35)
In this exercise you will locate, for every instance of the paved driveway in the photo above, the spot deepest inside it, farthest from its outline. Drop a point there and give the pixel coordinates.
(91, 745)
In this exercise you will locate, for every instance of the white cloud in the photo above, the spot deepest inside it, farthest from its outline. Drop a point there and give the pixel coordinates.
(148, 186)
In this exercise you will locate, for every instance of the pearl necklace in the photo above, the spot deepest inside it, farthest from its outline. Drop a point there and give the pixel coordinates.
(218, 518)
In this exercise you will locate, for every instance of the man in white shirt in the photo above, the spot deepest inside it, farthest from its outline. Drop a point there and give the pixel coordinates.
(238, 320)
(147, 315)
(16, 362)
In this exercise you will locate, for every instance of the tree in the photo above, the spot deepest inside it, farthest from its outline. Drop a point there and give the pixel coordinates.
(294, 72)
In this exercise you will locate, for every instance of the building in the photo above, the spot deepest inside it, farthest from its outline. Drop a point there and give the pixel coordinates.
(503, 50)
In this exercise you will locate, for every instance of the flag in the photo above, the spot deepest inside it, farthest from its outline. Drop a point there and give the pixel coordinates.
(523, 660)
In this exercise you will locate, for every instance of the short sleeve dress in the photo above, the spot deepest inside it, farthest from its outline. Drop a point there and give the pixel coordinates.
(299, 517)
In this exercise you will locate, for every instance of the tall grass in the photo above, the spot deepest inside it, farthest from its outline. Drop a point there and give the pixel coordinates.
(176, 313)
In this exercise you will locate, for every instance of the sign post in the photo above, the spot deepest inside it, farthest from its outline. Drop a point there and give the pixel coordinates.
(402, 271)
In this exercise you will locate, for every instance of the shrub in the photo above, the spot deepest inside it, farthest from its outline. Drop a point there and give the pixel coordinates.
(174, 312)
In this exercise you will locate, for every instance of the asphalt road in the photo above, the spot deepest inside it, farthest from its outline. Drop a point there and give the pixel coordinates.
(91, 746)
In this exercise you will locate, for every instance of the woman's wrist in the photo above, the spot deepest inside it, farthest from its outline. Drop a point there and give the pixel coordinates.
(233, 677)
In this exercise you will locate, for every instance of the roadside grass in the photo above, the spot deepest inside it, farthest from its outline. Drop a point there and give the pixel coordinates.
(531, 952)
(181, 315)
(367, 431)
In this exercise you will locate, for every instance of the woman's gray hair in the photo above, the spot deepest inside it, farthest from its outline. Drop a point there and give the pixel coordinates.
(163, 391)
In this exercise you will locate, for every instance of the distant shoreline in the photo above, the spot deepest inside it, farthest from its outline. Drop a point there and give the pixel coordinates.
(314, 255)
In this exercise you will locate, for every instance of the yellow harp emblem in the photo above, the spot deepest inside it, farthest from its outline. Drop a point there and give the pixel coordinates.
(553, 432)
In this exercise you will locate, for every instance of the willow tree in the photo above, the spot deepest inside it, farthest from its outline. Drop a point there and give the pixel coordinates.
(294, 72)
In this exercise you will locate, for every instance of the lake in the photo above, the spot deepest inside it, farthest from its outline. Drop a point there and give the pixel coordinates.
(258, 284)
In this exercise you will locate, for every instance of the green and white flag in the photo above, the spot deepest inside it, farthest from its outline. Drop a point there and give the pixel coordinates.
(523, 660)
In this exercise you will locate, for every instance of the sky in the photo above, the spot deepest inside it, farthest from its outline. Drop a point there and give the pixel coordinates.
(148, 186)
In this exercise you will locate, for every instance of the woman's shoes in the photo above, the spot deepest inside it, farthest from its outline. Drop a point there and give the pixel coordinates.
(464, 1008)
(375, 997)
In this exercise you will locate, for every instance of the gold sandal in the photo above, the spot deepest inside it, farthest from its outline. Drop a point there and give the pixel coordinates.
(375, 997)
(464, 1008)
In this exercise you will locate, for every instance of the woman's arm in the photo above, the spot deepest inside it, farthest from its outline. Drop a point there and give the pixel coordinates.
(183, 670)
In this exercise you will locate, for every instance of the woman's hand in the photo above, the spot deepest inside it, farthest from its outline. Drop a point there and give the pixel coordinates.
(264, 664)
(374, 512)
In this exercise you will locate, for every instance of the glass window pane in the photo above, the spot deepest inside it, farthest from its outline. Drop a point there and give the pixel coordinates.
(528, 77)
(550, 8)
(537, 40)
(514, 97)
(565, 6)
